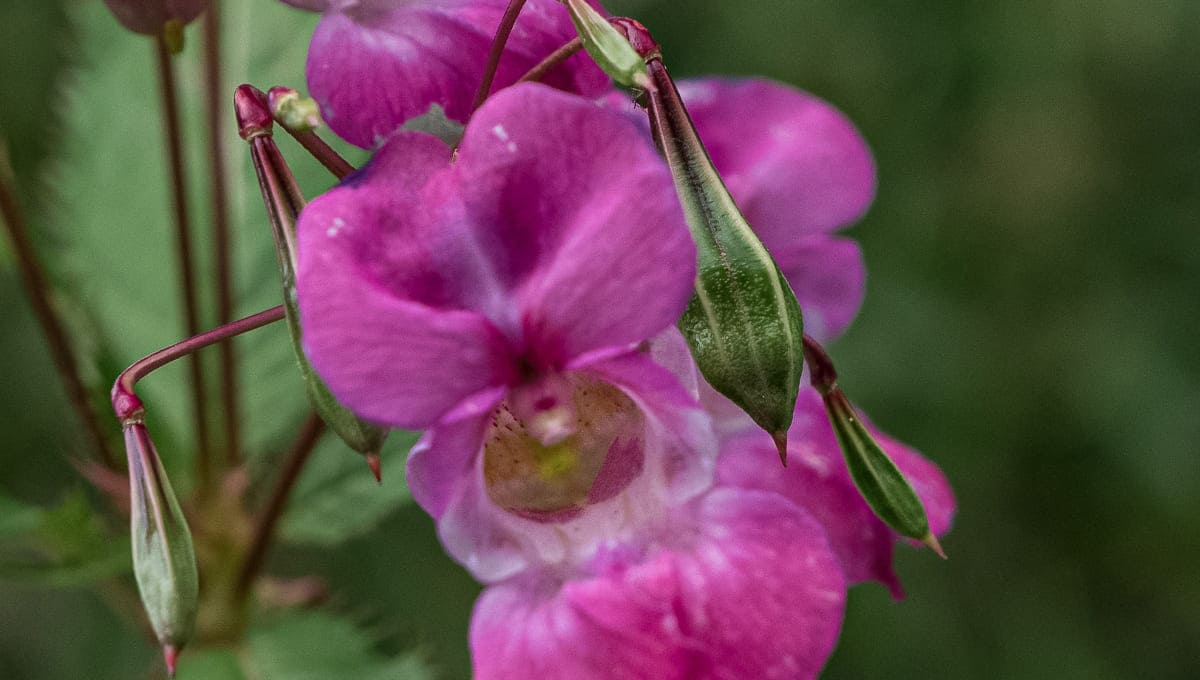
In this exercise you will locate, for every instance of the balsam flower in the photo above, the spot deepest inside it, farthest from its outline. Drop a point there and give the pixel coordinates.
(503, 301)
(375, 64)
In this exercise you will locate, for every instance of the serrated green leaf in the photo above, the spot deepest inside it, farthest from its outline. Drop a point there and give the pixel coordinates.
(338, 499)
(318, 646)
(66, 545)
(111, 227)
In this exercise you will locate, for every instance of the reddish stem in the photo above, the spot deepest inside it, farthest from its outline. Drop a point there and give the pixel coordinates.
(294, 460)
(183, 248)
(502, 32)
(820, 366)
(222, 244)
(38, 290)
(553, 61)
(309, 139)
(125, 401)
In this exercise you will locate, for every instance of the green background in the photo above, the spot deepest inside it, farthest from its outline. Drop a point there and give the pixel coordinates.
(1030, 324)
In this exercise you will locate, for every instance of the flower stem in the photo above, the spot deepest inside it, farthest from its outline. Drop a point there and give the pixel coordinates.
(183, 250)
(125, 401)
(820, 367)
(222, 246)
(264, 530)
(502, 32)
(38, 289)
(553, 61)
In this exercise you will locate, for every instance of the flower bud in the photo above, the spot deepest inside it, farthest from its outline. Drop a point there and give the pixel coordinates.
(150, 17)
(607, 46)
(164, 561)
(743, 324)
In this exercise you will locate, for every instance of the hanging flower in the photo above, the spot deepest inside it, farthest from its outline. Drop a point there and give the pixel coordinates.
(375, 64)
(151, 16)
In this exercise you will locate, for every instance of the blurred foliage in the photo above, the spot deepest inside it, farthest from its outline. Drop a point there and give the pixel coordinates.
(1030, 323)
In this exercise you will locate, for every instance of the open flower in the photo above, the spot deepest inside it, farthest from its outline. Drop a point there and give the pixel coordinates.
(375, 64)
(503, 302)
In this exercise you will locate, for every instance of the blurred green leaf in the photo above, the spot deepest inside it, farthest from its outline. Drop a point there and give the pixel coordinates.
(67, 545)
(111, 227)
(338, 499)
(209, 664)
(318, 646)
(17, 519)
(302, 645)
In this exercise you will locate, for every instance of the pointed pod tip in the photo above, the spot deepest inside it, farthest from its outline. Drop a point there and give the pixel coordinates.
(376, 464)
(932, 543)
(781, 443)
(170, 656)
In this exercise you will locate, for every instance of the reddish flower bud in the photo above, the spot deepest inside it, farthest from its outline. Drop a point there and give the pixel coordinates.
(150, 17)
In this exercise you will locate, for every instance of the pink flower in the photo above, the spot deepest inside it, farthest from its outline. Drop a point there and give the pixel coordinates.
(375, 64)
(503, 301)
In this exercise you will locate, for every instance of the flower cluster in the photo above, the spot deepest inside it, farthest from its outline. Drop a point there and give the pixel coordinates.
(515, 295)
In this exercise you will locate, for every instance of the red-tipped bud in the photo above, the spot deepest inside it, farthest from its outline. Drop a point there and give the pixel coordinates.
(150, 17)
(251, 111)
(639, 38)
(294, 111)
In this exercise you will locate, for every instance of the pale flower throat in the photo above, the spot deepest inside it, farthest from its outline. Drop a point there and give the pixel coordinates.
(592, 457)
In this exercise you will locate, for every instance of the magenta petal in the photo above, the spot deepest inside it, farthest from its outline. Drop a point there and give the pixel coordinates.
(794, 164)
(816, 479)
(372, 297)
(605, 265)
(828, 277)
(374, 65)
(742, 585)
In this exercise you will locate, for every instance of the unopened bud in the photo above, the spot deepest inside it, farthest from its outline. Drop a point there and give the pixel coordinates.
(151, 17)
(293, 110)
(164, 561)
(607, 46)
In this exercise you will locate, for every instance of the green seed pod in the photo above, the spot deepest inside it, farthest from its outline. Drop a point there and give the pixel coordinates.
(877, 478)
(164, 561)
(743, 325)
(284, 203)
(607, 47)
